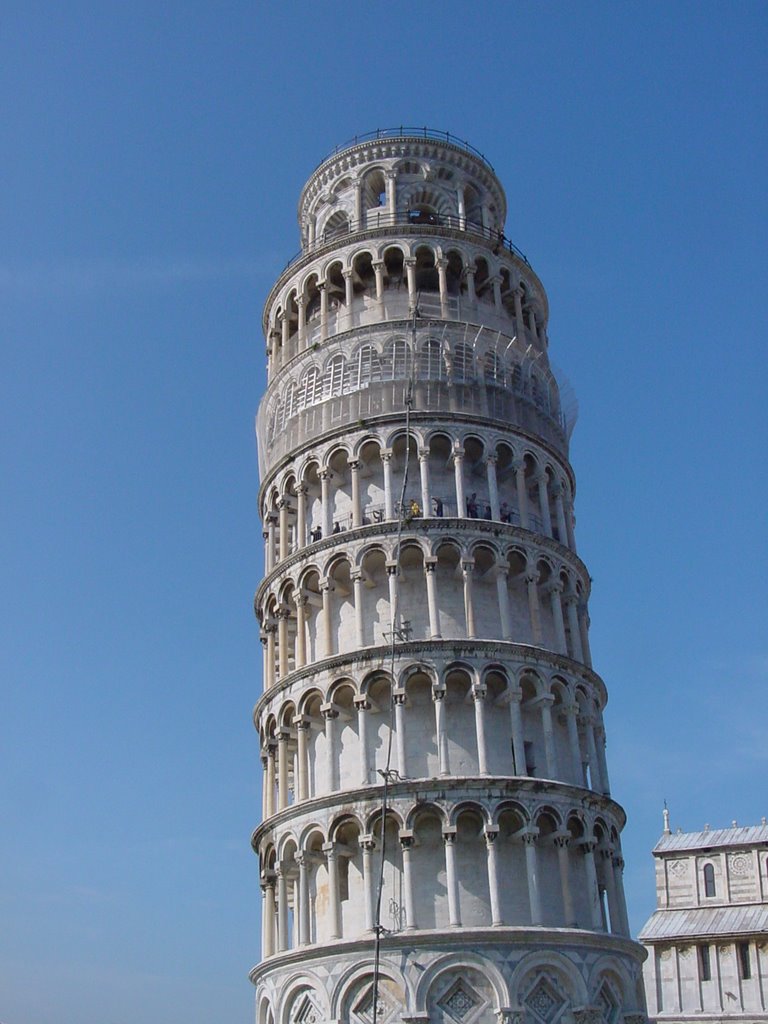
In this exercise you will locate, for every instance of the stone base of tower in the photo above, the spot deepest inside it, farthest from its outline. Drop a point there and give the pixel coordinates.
(465, 976)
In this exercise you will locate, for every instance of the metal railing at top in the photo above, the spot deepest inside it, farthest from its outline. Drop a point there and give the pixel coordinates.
(407, 132)
(381, 218)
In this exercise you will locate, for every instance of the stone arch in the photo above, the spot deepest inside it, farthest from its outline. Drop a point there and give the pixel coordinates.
(352, 997)
(304, 1001)
(428, 821)
(609, 969)
(547, 984)
(440, 987)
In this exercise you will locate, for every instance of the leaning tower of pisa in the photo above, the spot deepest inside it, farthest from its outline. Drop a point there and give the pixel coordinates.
(439, 842)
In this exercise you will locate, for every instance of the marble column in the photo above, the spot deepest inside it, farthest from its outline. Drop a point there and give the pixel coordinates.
(562, 531)
(301, 515)
(426, 497)
(555, 590)
(363, 706)
(491, 835)
(516, 724)
(438, 697)
(323, 287)
(452, 881)
(571, 610)
(410, 270)
(283, 737)
(398, 699)
(458, 470)
(368, 845)
(386, 463)
(546, 520)
(467, 570)
(571, 712)
(593, 894)
(357, 597)
(441, 265)
(334, 903)
(303, 901)
(300, 601)
(406, 845)
(326, 587)
(479, 694)
(326, 510)
(522, 493)
(561, 840)
(357, 512)
(502, 594)
(532, 873)
(493, 487)
(301, 722)
(430, 566)
(532, 582)
(268, 921)
(330, 714)
(550, 751)
(282, 909)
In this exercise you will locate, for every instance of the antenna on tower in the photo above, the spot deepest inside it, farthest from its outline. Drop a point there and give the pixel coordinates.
(665, 815)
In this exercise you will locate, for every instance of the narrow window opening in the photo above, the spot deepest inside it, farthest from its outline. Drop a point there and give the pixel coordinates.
(709, 880)
(705, 965)
(745, 968)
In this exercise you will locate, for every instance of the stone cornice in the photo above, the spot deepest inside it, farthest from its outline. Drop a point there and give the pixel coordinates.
(494, 650)
(446, 940)
(425, 526)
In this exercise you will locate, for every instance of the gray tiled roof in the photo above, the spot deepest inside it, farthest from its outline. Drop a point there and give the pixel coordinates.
(703, 922)
(750, 835)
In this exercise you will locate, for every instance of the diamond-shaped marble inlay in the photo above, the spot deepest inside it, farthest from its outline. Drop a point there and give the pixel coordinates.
(459, 1001)
(304, 1012)
(608, 1003)
(364, 1007)
(544, 1001)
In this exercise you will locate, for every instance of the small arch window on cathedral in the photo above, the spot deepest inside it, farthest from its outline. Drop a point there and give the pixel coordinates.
(709, 880)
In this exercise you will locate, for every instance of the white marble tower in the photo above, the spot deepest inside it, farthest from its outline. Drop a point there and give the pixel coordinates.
(431, 725)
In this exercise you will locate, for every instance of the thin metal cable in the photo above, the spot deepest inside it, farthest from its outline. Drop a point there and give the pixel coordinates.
(386, 773)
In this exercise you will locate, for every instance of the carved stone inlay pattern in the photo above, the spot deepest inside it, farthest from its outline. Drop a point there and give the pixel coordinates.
(739, 864)
(304, 1012)
(544, 1001)
(459, 1001)
(364, 1007)
(608, 1003)
(678, 868)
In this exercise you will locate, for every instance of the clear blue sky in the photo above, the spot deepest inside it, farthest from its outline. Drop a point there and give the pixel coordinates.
(152, 159)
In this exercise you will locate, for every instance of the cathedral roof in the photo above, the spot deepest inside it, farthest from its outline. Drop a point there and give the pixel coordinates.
(749, 835)
(706, 922)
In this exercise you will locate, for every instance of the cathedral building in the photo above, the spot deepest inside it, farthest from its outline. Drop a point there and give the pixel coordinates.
(439, 842)
(708, 938)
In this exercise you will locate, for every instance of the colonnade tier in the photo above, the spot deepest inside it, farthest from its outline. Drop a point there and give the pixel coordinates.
(434, 718)
(465, 376)
(451, 859)
(355, 478)
(375, 281)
